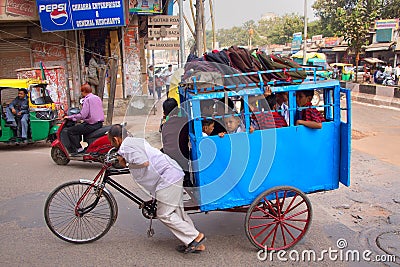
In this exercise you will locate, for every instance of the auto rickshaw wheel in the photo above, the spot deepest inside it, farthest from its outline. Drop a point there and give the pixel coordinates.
(59, 156)
(278, 218)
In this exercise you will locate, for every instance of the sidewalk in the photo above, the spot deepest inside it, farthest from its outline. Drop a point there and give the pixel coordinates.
(374, 94)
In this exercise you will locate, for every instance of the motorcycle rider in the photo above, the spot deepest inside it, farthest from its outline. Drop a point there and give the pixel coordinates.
(92, 115)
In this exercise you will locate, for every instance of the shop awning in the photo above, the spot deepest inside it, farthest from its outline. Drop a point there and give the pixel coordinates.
(378, 47)
(340, 49)
(372, 60)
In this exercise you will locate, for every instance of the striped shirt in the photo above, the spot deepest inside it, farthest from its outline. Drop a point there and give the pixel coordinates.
(311, 114)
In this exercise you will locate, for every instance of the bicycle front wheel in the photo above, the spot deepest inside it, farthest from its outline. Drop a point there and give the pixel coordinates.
(59, 213)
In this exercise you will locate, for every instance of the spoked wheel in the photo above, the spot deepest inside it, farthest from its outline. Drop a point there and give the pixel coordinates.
(59, 156)
(59, 213)
(278, 218)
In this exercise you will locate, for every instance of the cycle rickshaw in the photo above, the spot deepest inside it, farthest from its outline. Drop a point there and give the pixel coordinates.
(266, 173)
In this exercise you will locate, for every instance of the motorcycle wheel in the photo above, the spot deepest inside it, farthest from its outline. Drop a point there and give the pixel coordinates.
(59, 156)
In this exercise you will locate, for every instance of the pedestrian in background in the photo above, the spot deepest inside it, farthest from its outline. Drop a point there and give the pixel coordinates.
(93, 78)
(167, 78)
(397, 74)
(150, 79)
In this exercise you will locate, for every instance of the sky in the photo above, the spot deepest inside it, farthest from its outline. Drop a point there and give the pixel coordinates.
(229, 13)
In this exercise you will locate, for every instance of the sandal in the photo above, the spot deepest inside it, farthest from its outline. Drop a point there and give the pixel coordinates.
(182, 249)
(192, 247)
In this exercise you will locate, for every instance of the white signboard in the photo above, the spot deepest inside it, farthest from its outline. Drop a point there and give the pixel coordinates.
(163, 20)
(163, 32)
(163, 45)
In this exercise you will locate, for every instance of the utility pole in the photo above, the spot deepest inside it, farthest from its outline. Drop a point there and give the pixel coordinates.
(199, 27)
(305, 34)
(212, 25)
(181, 36)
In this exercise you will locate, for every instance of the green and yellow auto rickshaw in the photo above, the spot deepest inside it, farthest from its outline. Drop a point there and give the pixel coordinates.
(42, 110)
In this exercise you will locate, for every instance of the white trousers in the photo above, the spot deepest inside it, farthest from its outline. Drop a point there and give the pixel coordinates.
(171, 213)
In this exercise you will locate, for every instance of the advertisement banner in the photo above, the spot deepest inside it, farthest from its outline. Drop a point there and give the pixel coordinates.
(63, 15)
(24, 8)
(142, 7)
(332, 41)
(296, 42)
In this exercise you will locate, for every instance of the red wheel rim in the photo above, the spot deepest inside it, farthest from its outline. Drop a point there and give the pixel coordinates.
(279, 220)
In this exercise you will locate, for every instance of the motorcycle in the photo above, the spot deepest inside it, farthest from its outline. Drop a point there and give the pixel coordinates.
(97, 148)
(388, 80)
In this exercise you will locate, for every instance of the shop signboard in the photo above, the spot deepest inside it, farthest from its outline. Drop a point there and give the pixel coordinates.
(63, 15)
(387, 24)
(296, 42)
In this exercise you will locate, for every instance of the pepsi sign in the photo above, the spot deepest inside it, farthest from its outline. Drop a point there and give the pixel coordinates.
(62, 15)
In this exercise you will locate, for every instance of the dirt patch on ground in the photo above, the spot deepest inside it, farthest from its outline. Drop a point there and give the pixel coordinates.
(357, 135)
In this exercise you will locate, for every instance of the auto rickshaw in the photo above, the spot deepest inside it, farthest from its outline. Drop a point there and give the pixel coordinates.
(42, 110)
(346, 70)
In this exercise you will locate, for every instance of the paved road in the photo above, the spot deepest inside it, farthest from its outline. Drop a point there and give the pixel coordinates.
(360, 214)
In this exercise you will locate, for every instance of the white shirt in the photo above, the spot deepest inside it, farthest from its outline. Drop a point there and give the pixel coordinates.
(388, 69)
(397, 71)
(162, 170)
(167, 74)
(284, 110)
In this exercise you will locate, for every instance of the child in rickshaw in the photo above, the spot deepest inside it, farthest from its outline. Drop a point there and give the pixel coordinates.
(233, 124)
(309, 117)
(279, 120)
(207, 127)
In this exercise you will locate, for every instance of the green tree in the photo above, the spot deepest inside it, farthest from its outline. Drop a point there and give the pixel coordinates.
(390, 9)
(233, 36)
(314, 28)
(356, 23)
(279, 30)
(330, 19)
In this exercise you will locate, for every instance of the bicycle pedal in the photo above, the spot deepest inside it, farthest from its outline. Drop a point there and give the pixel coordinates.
(150, 233)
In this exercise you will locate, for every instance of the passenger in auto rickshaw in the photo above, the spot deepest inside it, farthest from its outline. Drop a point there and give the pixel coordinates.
(17, 115)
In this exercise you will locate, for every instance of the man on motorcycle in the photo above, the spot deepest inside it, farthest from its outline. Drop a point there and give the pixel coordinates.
(19, 110)
(92, 115)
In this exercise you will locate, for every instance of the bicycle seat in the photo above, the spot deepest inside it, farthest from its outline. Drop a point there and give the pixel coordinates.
(99, 132)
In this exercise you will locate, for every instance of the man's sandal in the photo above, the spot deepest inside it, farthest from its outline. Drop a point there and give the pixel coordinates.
(192, 247)
(182, 249)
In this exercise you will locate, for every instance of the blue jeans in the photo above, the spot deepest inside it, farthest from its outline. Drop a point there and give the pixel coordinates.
(24, 122)
(158, 89)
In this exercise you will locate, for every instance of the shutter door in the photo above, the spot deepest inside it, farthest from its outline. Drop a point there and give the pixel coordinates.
(14, 54)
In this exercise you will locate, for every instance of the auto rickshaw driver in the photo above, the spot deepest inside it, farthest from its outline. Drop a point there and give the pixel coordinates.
(17, 115)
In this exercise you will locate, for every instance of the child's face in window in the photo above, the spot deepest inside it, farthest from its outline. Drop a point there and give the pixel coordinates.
(208, 129)
(232, 123)
(282, 98)
(301, 99)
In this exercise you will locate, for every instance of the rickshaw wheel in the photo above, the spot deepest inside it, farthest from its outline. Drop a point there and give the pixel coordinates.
(278, 218)
(59, 156)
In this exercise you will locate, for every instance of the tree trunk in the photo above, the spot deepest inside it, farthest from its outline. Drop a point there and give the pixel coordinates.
(357, 60)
